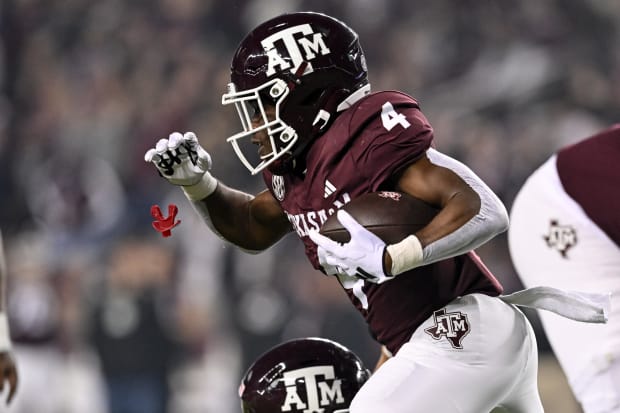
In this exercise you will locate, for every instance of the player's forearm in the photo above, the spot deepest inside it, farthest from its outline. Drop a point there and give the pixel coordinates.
(232, 215)
(409, 253)
(471, 215)
(457, 211)
(489, 221)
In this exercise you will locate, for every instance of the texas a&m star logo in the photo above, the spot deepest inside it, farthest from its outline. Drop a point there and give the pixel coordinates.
(560, 237)
(318, 384)
(300, 43)
(453, 326)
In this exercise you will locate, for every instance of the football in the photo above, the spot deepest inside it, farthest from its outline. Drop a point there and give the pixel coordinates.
(389, 215)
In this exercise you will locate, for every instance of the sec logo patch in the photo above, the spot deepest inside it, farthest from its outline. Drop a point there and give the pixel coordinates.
(277, 184)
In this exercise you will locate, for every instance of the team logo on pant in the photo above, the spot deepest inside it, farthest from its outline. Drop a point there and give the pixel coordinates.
(453, 326)
(561, 237)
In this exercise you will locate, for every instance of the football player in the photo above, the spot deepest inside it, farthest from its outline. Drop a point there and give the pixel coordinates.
(320, 137)
(565, 231)
(303, 375)
(8, 368)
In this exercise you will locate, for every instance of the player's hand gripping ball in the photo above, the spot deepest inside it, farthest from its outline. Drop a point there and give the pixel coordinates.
(353, 241)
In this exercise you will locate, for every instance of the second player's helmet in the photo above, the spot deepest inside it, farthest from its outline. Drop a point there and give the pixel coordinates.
(303, 375)
(308, 66)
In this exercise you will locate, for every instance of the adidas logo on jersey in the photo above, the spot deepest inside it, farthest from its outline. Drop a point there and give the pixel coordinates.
(329, 189)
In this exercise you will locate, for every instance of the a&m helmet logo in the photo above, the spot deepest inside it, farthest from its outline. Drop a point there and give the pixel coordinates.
(560, 237)
(453, 326)
(299, 43)
(318, 384)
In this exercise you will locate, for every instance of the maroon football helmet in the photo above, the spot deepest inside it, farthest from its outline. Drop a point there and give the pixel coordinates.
(309, 66)
(301, 375)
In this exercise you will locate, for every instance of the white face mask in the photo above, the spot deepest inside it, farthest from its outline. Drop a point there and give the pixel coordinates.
(248, 103)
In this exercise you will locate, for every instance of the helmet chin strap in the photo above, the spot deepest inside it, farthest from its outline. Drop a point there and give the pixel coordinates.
(296, 78)
(283, 166)
(294, 162)
(322, 119)
(354, 97)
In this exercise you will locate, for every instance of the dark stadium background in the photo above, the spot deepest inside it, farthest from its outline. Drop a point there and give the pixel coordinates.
(87, 86)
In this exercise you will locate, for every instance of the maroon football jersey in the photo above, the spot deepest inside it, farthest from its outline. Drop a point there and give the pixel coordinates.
(590, 174)
(363, 151)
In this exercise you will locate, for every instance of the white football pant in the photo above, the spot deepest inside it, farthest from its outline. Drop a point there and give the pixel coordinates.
(496, 365)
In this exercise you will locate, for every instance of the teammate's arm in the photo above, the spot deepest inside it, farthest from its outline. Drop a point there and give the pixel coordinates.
(8, 368)
(383, 357)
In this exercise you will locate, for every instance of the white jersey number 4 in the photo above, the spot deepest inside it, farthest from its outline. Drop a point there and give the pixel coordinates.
(391, 118)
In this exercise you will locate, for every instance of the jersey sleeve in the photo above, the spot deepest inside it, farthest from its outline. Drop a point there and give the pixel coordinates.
(392, 133)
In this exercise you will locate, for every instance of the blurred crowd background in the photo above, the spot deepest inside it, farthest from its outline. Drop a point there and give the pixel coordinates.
(106, 315)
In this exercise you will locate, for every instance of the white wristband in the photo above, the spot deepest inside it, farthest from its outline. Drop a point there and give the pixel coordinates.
(205, 187)
(5, 337)
(406, 254)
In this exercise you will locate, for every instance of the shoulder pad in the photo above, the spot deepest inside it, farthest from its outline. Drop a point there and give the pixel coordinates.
(369, 107)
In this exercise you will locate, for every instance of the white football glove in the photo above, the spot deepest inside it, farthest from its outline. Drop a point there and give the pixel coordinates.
(361, 257)
(182, 161)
